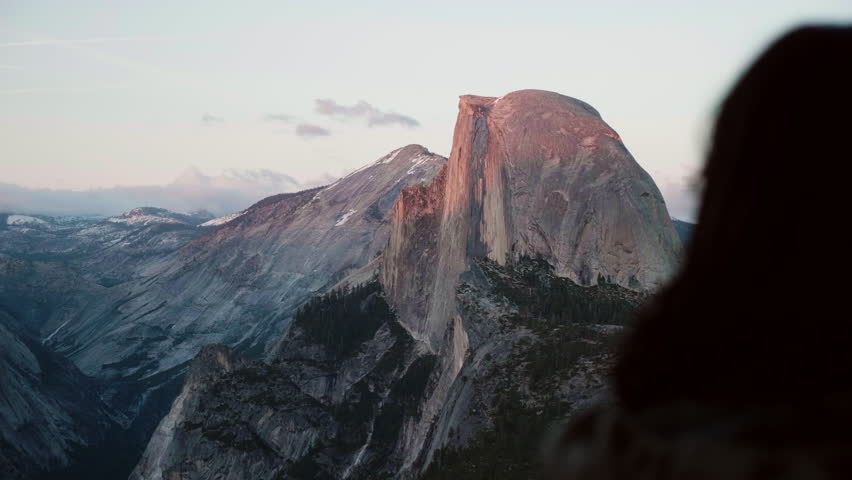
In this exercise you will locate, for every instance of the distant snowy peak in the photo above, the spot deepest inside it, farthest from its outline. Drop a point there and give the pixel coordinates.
(192, 176)
(389, 157)
(423, 153)
(260, 176)
(261, 180)
(24, 220)
(222, 220)
(142, 220)
(395, 167)
(418, 154)
(144, 216)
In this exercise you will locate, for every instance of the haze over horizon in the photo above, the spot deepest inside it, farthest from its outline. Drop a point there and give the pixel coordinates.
(100, 94)
(359, 240)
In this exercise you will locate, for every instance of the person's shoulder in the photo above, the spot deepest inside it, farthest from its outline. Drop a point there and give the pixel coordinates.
(688, 441)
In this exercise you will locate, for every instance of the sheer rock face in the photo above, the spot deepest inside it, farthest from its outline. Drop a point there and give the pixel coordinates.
(49, 409)
(531, 173)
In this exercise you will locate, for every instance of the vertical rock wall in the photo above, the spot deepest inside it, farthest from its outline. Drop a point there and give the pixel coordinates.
(531, 173)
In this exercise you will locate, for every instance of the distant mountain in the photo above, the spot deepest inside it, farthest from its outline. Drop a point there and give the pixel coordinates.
(232, 191)
(257, 267)
(152, 215)
(105, 251)
(487, 314)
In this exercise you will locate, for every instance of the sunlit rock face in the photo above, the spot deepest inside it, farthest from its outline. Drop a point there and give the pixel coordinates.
(530, 173)
(469, 316)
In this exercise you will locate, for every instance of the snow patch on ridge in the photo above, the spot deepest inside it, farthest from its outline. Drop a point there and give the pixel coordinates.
(55, 331)
(417, 161)
(360, 455)
(142, 220)
(381, 161)
(345, 217)
(390, 157)
(222, 220)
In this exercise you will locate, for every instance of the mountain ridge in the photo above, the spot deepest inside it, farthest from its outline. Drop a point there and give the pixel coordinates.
(390, 403)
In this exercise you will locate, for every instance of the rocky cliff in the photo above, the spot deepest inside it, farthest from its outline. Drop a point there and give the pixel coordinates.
(48, 409)
(531, 173)
(501, 287)
(349, 395)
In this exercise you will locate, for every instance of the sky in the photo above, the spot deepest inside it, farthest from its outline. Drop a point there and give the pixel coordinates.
(95, 94)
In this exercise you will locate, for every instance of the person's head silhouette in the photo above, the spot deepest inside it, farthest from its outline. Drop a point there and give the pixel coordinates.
(757, 312)
(739, 369)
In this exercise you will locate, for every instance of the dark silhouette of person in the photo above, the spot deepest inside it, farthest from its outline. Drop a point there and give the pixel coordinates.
(742, 366)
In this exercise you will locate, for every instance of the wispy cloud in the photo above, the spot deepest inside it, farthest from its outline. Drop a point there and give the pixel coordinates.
(80, 41)
(310, 131)
(277, 117)
(391, 118)
(96, 88)
(209, 120)
(305, 130)
(362, 109)
(88, 47)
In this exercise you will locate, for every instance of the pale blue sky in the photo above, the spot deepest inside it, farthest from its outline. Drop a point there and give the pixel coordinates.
(99, 93)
